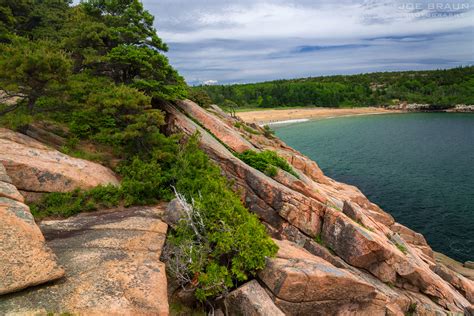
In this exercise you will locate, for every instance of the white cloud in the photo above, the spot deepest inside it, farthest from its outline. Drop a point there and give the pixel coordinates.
(248, 40)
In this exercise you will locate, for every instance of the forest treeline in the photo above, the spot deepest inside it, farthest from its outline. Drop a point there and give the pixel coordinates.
(439, 88)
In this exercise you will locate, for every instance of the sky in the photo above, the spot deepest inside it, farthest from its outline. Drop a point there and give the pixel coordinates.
(240, 41)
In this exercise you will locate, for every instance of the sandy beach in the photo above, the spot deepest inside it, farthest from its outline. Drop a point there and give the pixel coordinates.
(298, 115)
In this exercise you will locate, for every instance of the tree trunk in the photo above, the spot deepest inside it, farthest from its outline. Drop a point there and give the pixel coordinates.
(31, 104)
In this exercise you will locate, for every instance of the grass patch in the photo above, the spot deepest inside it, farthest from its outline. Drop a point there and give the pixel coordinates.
(333, 206)
(58, 204)
(363, 226)
(179, 309)
(402, 248)
(266, 161)
(246, 128)
(319, 240)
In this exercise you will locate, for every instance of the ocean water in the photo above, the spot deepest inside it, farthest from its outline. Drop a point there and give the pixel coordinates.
(418, 167)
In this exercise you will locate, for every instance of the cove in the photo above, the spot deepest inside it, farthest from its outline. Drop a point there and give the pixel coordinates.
(419, 167)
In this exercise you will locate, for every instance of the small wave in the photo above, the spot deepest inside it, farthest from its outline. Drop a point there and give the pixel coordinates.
(285, 122)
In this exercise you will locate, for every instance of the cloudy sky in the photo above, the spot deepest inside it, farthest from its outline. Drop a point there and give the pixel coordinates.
(256, 40)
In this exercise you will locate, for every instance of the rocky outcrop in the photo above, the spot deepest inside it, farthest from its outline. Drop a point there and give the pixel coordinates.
(34, 167)
(462, 284)
(112, 266)
(417, 107)
(462, 108)
(223, 132)
(251, 300)
(359, 245)
(25, 260)
(303, 284)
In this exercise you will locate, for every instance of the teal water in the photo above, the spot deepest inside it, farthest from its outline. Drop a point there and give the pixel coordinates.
(418, 167)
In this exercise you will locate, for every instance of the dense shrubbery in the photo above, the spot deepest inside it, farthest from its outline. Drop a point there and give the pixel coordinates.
(442, 88)
(226, 244)
(266, 161)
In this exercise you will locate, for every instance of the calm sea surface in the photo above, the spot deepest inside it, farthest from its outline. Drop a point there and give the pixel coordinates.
(418, 167)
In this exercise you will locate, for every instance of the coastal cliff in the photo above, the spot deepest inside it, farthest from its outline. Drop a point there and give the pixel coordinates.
(339, 253)
(330, 223)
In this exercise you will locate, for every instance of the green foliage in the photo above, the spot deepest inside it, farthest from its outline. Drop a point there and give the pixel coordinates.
(128, 21)
(268, 132)
(143, 182)
(98, 68)
(266, 161)
(228, 244)
(32, 70)
(440, 88)
(59, 204)
(15, 121)
(46, 44)
(179, 309)
(402, 248)
(319, 240)
(411, 309)
(200, 97)
(246, 128)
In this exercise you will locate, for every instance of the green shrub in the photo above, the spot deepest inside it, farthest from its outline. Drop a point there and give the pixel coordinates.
(266, 161)
(268, 132)
(221, 243)
(59, 204)
(246, 128)
(319, 239)
(143, 182)
(15, 120)
(250, 130)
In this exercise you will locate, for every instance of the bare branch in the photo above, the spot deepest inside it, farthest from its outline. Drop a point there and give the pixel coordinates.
(4, 94)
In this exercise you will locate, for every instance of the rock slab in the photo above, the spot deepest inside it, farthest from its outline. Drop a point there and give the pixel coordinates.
(251, 300)
(25, 260)
(34, 167)
(112, 266)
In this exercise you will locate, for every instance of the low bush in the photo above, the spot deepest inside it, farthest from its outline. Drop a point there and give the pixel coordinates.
(246, 128)
(268, 132)
(220, 243)
(266, 161)
(59, 204)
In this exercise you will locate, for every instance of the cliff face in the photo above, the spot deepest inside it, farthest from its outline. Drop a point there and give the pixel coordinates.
(339, 253)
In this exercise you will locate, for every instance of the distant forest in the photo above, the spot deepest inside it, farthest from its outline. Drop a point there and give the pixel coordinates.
(439, 88)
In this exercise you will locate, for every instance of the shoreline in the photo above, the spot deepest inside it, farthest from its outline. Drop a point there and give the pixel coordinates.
(297, 115)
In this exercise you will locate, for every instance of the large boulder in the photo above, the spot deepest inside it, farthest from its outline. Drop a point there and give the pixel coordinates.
(25, 260)
(34, 167)
(112, 266)
(303, 284)
(389, 258)
(251, 300)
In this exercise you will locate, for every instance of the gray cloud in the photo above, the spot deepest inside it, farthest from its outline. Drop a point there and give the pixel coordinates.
(255, 40)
